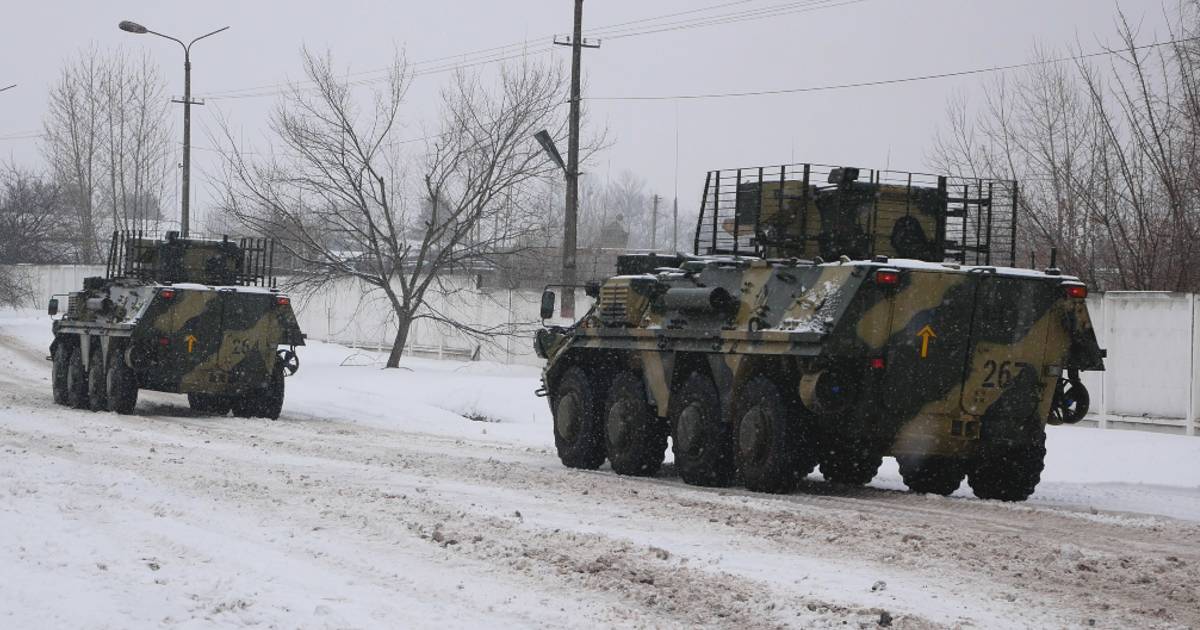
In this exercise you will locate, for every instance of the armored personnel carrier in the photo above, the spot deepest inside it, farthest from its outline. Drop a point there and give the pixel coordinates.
(827, 317)
(188, 316)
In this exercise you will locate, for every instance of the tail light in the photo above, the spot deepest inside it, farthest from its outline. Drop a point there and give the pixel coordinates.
(167, 294)
(164, 341)
(1077, 291)
(887, 277)
(282, 300)
(877, 363)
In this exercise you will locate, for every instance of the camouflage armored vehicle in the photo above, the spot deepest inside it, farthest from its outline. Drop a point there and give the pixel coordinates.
(188, 316)
(828, 317)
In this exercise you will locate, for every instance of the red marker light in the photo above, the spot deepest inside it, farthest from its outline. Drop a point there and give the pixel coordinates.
(164, 341)
(887, 277)
(167, 294)
(282, 300)
(1077, 291)
(878, 363)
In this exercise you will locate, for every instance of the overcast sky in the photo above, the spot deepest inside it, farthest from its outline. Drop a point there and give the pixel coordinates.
(812, 43)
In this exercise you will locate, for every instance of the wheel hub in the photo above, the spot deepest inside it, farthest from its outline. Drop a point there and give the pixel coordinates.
(752, 435)
(620, 423)
(566, 417)
(689, 422)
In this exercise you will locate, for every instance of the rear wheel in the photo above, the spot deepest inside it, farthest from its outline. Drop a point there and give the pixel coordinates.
(211, 404)
(931, 474)
(636, 439)
(852, 460)
(97, 382)
(121, 384)
(1009, 471)
(702, 444)
(773, 452)
(58, 378)
(272, 402)
(77, 390)
(578, 427)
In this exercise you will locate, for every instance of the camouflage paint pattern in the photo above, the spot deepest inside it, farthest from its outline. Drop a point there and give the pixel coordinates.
(946, 358)
(185, 336)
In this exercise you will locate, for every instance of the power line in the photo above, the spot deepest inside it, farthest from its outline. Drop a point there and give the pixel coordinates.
(523, 49)
(879, 82)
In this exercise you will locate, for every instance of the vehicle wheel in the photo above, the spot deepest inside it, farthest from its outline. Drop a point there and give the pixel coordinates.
(773, 452)
(211, 404)
(931, 474)
(578, 428)
(58, 378)
(77, 390)
(1009, 472)
(636, 438)
(245, 405)
(272, 401)
(97, 382)
(122, 386)
(702, 444)
(852, 461)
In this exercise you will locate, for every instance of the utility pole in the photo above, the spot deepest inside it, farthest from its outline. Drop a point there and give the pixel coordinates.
(654, 225)
(138, 29)
(570, 221)
(675, 227)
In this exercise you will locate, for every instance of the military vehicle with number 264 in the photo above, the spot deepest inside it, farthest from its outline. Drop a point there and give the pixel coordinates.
(189, 316)
(827, 317)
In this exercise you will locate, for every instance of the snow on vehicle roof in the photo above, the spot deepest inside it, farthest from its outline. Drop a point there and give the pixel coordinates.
(908, 263)
(194, 286)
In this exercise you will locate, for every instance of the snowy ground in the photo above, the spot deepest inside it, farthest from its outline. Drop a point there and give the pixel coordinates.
(431, 497)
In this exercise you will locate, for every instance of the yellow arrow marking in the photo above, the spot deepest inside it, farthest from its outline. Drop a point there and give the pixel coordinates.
(926, 334)
(191, 341)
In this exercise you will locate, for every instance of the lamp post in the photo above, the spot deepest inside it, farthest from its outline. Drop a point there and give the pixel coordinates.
(138, 29)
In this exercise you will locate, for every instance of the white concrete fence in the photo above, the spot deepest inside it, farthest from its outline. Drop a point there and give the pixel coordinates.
(1152, 339)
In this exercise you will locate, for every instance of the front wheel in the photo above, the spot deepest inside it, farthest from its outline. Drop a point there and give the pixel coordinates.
(578, 428)
(1009, 471)
(77, 388)
(636, 439)
(773, 451)
(58, 378)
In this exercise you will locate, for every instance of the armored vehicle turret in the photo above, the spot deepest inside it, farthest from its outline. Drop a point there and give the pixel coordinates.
(188, 316)
(828, 317)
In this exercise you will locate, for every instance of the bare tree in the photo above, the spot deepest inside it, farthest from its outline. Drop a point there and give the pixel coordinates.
(347, 202)
(35, 223)
(1106, 155)
(106, 138)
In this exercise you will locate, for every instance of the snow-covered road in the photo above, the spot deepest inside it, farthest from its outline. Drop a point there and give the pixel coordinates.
(374, 503)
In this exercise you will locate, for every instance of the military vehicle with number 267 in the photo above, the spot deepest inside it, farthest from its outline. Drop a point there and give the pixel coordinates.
(189, 316)
(827, 317)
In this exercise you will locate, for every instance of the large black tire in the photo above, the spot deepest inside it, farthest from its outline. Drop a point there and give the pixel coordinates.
(578, 424)
(636, 438)
(271, 404)
(932, 474)
(1009, 471)
(773, 451)
(210, 404)
(849, 460)
(58, 374)
(97, 382)
(121, 384)
(701, 441)
(77, 389)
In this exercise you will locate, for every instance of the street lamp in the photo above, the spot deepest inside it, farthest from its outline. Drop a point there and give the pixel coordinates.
(138, 29)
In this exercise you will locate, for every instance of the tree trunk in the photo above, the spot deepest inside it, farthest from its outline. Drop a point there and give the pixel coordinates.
(404, 322)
